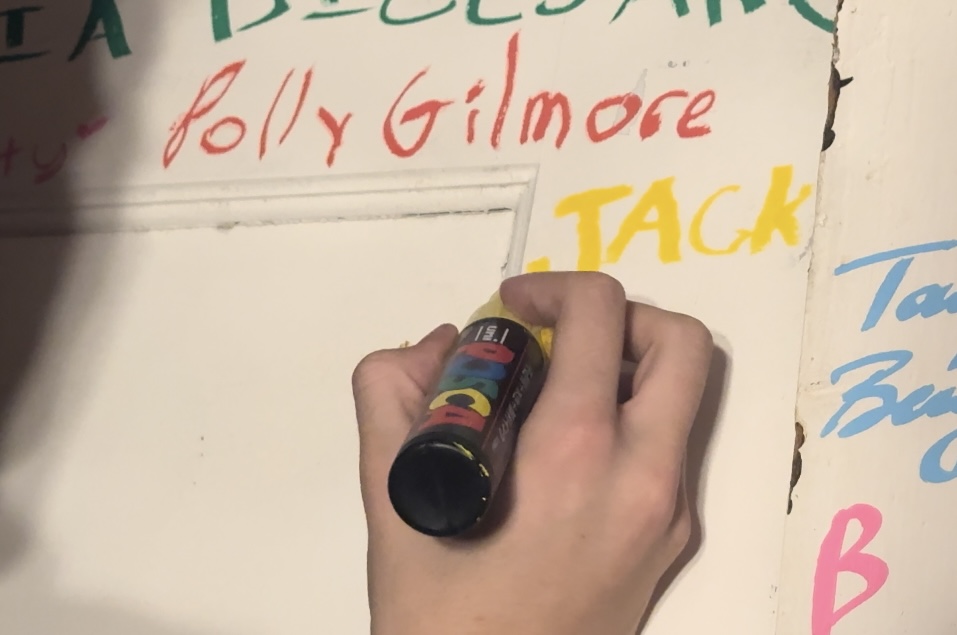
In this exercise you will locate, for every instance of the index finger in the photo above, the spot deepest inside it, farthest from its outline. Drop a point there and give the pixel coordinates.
(587, 311)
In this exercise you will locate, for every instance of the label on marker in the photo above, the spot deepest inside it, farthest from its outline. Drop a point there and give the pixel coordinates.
(445, 476)
(487, 385)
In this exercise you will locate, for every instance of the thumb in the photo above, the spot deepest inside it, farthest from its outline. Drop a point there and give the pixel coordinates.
(390, 388)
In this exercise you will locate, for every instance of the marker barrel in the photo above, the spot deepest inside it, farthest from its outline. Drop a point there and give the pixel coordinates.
(447, 472)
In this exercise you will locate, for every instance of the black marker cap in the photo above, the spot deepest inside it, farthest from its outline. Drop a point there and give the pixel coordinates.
(439, 488)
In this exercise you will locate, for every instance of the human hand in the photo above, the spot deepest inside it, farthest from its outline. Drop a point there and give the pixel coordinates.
(597, 507)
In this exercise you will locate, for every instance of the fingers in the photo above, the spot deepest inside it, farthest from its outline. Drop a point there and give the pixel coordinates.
(587, 311)
(390, 388)
(598, 334)
(389, 378)
(673, 353)
(603, 345)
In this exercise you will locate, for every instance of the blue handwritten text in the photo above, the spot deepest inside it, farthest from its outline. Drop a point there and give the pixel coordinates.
(927, 301)
(883, 370)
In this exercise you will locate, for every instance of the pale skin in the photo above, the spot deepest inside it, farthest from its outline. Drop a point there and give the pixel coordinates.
(596, 510)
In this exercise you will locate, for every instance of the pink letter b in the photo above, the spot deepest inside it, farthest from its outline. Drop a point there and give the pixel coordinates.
(831, 562)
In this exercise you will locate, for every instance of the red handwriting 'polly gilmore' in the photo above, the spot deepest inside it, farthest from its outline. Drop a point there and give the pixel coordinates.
(547, 113)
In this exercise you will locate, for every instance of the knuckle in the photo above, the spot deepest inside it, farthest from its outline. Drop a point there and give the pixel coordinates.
(691, 331)
(370, 367)
(603, 286)
(659, 503)
(679, 535)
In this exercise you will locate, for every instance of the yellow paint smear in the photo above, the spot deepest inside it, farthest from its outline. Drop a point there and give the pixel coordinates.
(464, 450)
(461, 448)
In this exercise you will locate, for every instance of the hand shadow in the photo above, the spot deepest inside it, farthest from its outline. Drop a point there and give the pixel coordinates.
(47, 107)
(699, 441)
(53, 111)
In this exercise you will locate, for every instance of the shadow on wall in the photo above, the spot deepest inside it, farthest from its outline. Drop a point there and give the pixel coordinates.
(52, 107)
(699, 443)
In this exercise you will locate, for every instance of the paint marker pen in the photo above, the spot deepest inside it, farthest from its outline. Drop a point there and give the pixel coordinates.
(446, 474)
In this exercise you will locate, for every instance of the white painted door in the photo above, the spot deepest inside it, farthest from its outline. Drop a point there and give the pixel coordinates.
(267, 190)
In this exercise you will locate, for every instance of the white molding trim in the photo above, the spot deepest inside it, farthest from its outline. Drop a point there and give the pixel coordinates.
(288, 201)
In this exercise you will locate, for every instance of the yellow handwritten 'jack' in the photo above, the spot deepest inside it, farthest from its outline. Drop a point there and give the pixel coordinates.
(777, 214)
(539, 265)
(694, 232)
(659, 196)
(588, 205)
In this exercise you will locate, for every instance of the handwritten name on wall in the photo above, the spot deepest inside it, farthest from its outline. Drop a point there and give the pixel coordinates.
(213, 128)
(392, 13)
(658, 213)
(104, 19)
(873, 383)
(216, 120)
